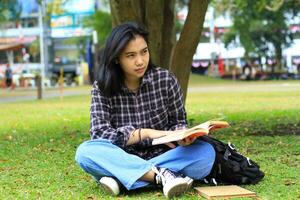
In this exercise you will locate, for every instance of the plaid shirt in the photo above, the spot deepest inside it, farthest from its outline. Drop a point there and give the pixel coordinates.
(158, 104)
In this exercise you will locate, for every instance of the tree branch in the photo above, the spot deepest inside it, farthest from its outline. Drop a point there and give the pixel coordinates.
(184, 50)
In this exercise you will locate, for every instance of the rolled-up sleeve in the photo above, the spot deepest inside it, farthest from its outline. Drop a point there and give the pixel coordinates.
(100, 125)
(176, 110)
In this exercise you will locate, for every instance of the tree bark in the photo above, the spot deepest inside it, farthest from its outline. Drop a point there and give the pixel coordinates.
(139, 7)
(122, 11)
(168, 34)
(114, 13)
(182, 56)
(278, 51)
(154, 23)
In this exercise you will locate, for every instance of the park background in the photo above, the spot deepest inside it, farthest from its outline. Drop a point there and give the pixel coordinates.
(39, 137)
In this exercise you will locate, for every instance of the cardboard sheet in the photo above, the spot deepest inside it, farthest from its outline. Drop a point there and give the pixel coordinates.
(226, 191)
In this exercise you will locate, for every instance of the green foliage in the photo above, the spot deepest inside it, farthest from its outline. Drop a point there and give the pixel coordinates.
(34, 49)
(55, 7)
(179, 4)
(9, 10)
(178, 26)
(258, 23)
(101, 22)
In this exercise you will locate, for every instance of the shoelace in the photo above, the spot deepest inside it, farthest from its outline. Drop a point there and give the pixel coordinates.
(157, 176)
(162, 175)
(158, 179)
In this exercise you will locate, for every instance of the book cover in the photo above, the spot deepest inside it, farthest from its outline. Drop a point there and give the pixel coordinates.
(224, 192)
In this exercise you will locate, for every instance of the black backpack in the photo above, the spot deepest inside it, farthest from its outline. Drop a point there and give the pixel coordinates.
(230, 166)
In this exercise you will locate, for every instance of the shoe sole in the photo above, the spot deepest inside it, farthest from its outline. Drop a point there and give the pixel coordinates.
(175, 188)
(189, 182)
(108, 190)
(106, 183)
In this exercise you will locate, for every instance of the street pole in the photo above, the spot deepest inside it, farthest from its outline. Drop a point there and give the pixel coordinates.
(42, 47)
(212, 43)
(96, 55)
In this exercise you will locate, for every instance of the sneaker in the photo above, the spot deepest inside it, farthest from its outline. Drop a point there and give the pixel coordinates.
(110, 185)
(189, 182)
(173, 183)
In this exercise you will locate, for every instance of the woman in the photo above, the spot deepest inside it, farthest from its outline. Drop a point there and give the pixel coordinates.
(134, 102)
(8, 76)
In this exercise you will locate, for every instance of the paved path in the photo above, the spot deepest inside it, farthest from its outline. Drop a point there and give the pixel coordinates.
(247, 87)
(21, 94)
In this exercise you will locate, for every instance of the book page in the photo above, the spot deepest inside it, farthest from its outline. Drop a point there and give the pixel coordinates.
(204, 126)
(179, 136)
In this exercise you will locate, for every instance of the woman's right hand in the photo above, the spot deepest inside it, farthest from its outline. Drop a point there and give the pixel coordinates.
(152, 134)
(140, 134)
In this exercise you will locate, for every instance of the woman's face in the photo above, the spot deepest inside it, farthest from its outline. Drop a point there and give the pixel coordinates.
(134, 58)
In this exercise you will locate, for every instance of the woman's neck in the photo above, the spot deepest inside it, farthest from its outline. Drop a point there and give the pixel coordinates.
(132, 84)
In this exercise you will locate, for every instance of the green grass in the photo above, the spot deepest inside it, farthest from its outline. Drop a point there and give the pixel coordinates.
(39, 139)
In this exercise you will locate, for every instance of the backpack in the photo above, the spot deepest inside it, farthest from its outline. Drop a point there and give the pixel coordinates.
(230, 166)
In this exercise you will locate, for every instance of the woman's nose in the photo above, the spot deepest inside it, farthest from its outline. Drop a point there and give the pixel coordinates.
(139, 60)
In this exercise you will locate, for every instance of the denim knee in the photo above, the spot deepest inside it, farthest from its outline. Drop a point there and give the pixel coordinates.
(206, 149)
(211, 155)
(85, 162)
(204, 157)
(81, 153)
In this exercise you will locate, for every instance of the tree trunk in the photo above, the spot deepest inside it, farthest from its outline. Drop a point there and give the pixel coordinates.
(154, 23)
(168, 34)
(139, 6)
(278, 51)
(122, 11)
(185, 48)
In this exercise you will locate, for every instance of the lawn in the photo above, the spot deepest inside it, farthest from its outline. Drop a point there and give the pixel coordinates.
(39, 139)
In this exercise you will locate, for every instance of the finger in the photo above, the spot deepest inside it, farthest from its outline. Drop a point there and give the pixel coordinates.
(171, 145)
(181, 143)
(193, 139)
(187, 140)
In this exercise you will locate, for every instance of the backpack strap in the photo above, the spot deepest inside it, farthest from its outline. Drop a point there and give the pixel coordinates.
(226, 154)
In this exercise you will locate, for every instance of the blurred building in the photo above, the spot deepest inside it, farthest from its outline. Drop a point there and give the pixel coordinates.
(45, 42)
(67, 26)
(19, 41)
(212, 57)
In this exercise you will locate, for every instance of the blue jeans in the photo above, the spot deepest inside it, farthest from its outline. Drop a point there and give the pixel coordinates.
(101, 158)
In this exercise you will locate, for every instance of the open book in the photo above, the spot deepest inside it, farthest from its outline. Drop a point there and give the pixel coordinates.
(196, 131)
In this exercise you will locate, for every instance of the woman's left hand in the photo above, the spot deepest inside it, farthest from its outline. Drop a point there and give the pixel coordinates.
(171, 145)
(186, 141)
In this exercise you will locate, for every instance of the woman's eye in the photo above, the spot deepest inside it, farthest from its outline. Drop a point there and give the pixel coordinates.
(130, 56)
(145, 51)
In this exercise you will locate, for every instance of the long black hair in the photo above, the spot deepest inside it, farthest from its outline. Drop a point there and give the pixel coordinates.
(110, 78)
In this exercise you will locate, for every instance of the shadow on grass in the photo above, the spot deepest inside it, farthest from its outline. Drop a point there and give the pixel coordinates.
(279, 129)
(257, 128)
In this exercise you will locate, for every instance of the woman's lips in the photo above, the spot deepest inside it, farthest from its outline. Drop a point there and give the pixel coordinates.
(140, 70)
